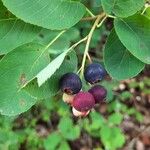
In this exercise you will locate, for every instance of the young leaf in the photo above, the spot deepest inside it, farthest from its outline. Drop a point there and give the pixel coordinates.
(134, 33)
(14, 33)
(112, 138)
(122, 8)
(51, 86)
(48, 71)
(68, 130)
(51, 14)
(64, 146)
(97, 121)
(119, 62)
(52, 141)
(16, 68)
(8, 139)
(115, 118)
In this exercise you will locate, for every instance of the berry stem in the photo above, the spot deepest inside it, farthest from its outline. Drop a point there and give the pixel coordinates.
(89, 58)
(76, 44)
(110, 16)
(89, 37)
(89, 18)
(101, 22)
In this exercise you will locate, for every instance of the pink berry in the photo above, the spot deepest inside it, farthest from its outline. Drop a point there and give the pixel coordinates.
(83, 101)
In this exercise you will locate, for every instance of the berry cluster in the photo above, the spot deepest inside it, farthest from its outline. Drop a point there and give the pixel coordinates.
(82, 102)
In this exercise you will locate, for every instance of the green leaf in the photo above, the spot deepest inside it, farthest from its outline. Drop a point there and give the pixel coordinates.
(68, 130)
(147, 13)
(64, 146)
(97, 120)
(115, 118)
(46, 35)
(4, 13)
(14, 33)
(16, 68)
(122, 8)
(51, 86)
(110, 85)
(119, 62)
(8, 140)
(112, 138)
(50, 14)
(139, 117)
(126, 95)
(61, 44)
(134, 33)
(50, 69)
(52, 141)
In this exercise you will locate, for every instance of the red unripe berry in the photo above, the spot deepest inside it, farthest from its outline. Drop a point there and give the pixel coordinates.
(99, 93)
(83, 101)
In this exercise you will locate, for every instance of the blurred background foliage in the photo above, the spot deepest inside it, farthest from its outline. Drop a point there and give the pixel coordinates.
(121, 123)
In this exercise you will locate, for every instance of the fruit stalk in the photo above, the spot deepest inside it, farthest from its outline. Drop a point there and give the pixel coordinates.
(88, 42)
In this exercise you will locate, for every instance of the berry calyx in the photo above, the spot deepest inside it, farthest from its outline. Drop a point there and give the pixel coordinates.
(78, 113)
(94, 73)
(83, 101)
(70, 83)
(99, 93)
(68, 98)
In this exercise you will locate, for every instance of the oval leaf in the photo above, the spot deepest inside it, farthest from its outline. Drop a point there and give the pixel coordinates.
(16, 68)
(14, 33)
(51, 14)
(122, 8)
(119, 62)
(134, 33)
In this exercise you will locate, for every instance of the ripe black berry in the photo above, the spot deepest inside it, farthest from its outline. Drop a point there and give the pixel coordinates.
(99, 93)
(70, 83)
(94, 73)
(83, 101)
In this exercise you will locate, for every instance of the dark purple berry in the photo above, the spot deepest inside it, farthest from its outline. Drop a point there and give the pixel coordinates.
(99, 93)
(83, 101)
(70, 83)
(94, 73)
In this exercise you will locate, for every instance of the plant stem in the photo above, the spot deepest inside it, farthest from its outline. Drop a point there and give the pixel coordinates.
(102, 22)
(146, 6)
(89, 18)
(110, 16)
(91, 14)
(88, 42)
(88, 56)
(76, 44)
(51, 42)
